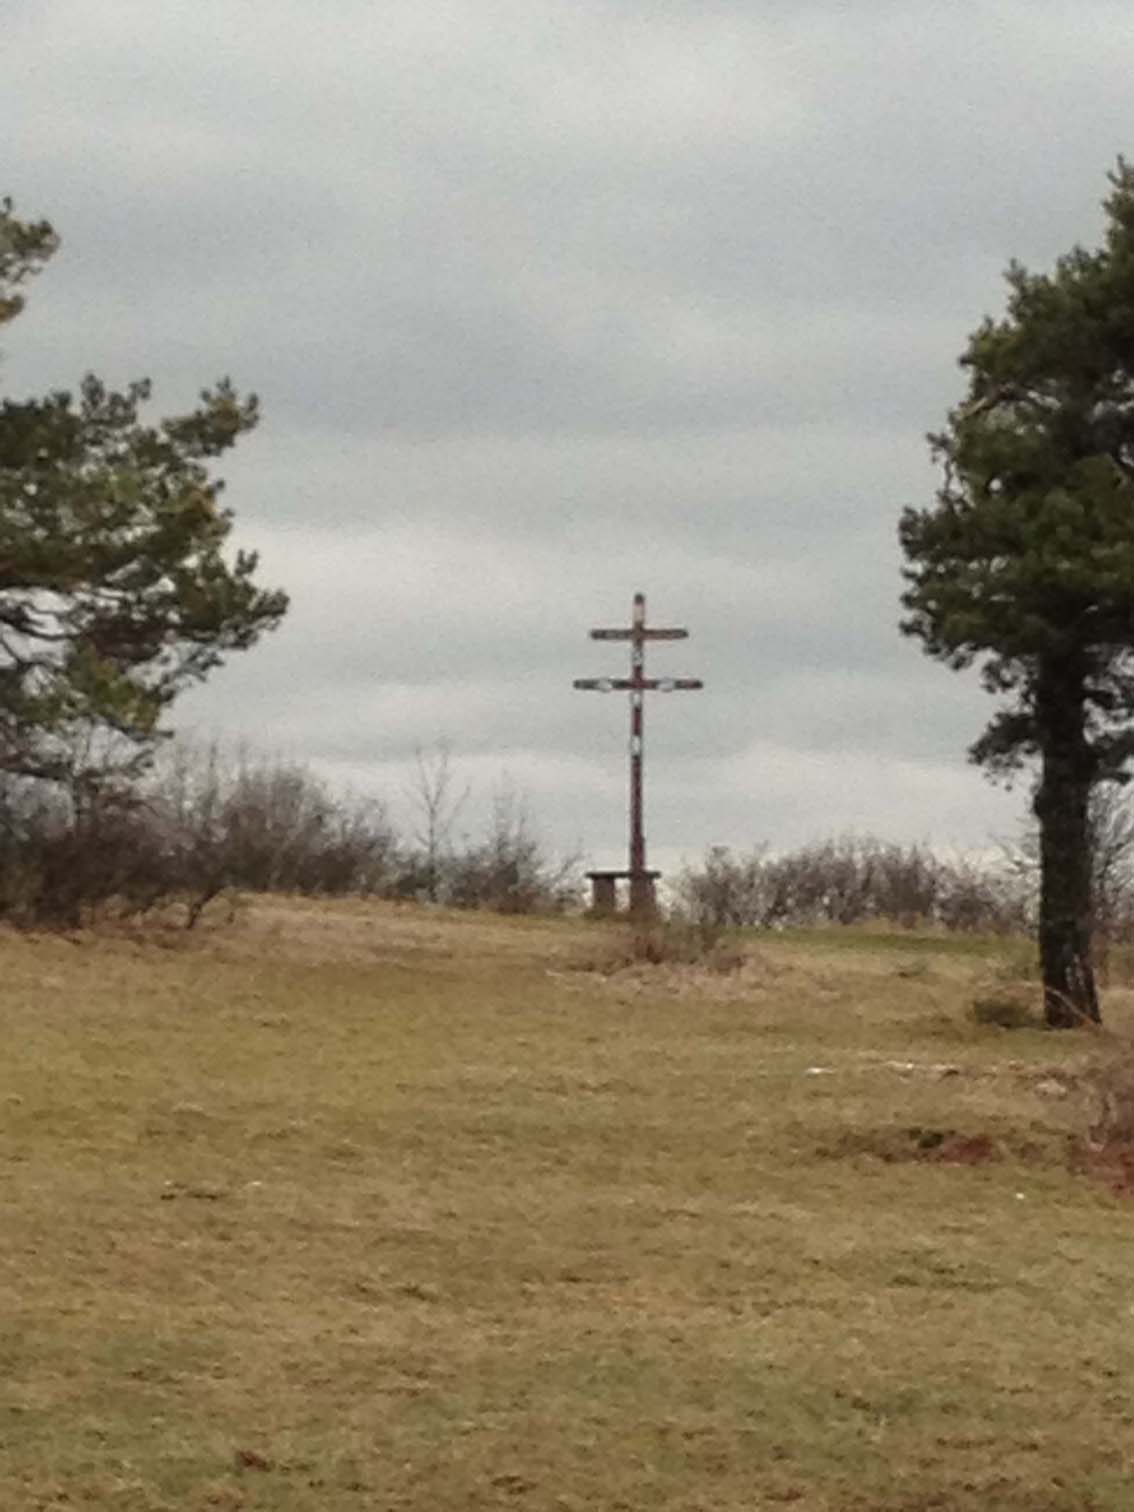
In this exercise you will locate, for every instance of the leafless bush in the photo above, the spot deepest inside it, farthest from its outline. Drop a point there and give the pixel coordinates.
(1112, 854)
(1111, 838)
(902, 883)
(509, 870)
(60, 862)
(203, 823)
(436, 799)
(850, 880)
(265, 825)
(979, 896)
(199, 824)
(730, 889)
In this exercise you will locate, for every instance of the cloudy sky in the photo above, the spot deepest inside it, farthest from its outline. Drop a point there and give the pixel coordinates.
(552, 300)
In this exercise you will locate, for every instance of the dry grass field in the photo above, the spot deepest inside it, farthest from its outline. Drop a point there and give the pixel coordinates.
(347, 1207)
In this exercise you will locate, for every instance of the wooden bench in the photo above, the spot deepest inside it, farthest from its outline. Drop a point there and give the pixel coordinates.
(604, 892)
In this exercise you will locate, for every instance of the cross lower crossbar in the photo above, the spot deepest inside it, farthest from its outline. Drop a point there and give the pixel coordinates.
(646, 684)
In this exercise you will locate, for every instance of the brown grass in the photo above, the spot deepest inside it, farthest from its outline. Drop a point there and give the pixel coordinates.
(359, 1207)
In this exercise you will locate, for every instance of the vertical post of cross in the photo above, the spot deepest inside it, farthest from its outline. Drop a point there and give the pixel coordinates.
(641, 879)
(642, 897)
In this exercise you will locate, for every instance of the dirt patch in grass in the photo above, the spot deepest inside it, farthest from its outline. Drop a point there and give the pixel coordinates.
(940, 1146)
(1113, 1166)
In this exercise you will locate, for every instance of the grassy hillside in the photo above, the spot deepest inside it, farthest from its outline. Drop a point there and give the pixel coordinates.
(353, 1207)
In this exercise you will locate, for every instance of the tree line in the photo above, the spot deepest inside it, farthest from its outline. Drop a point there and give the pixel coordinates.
(203, 825)
(118, 590)
(862, 879)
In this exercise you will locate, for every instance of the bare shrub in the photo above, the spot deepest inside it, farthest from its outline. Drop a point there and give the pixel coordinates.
(436, 799)
(509, 870)
(1111, 837)
(196, 826)
(59, 864)
(264, 825)
(851, 880)
(728, 889)
(835, 881)
(1112, 858)
(980, 897)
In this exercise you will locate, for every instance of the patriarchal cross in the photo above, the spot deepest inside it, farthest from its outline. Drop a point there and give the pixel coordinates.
(637, 685)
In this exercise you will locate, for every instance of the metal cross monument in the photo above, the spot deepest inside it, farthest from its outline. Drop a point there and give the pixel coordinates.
(637, 685)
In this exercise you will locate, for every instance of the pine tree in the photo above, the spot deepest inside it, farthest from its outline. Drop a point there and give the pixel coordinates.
(1025, 565)
(115, 589)
(24, 247)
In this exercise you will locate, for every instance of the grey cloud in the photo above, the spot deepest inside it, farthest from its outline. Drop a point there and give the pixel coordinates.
(550, 301)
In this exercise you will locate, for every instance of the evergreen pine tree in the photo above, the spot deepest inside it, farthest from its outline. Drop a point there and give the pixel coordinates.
(1025, 564)
(115, 589)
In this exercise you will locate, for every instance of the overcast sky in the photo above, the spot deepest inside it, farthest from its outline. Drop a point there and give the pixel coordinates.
(548, 301)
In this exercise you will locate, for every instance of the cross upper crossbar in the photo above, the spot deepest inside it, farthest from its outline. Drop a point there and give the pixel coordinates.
(641, 633)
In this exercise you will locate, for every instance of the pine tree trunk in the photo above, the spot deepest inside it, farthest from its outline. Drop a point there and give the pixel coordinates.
(1061, 806)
